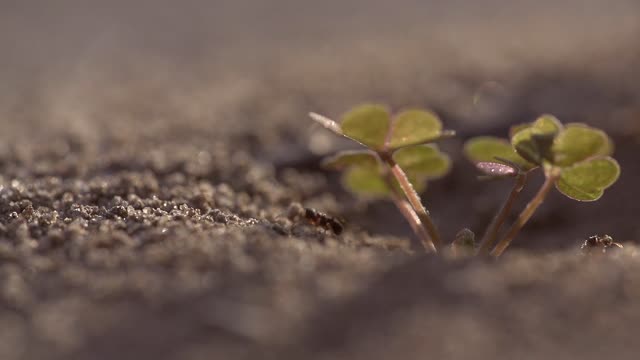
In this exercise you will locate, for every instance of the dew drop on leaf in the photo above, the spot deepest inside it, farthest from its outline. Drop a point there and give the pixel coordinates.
(496, 169)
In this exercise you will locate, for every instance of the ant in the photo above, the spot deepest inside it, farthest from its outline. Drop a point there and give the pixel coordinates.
(604, 242)
(317, 218)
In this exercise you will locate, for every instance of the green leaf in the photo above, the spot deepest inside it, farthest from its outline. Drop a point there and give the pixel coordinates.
(364, 180)
(547, 124)
(516, 129)
(418, 181)
(367, 124)
(363, 172)
(349, 158)
(525, 147)
(534, 142)
(488, 148)
(413, 127)
(586, 181)
(423, 161)
(578, 142)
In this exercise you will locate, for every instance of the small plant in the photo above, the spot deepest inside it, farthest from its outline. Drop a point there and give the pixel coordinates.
(397, 160)
(574, 158)
(399, 157)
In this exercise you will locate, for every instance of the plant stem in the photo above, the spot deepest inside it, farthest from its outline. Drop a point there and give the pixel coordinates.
(413, 198)
(525, 215)
(410, 215)
(491, 234)
(415, 223)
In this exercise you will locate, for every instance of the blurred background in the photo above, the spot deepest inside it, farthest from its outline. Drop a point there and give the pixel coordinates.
(85, 65)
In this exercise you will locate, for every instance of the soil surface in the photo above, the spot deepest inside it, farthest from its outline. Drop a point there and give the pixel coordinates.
(151, 156)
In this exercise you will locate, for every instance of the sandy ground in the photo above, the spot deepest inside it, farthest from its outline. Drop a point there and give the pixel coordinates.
(150, 152)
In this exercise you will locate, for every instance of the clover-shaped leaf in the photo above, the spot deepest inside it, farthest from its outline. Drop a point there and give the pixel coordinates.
(488, 149)
(543, 124)
(364, 180)
(349, 158)
(367, 124)
(533, 142)
(578, 142)
(412, 127)
(576, 153)
(372, 126)
(586, 181)
(363, 173)
(547, 140)
(424, 161)
(402, 137)
(365, 176)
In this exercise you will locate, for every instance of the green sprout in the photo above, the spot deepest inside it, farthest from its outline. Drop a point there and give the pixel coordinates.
(399, 158)
(396, 162)
(464, 244)
(575, 158)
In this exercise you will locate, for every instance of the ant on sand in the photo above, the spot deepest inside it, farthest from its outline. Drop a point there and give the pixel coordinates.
(602, 243)
(317, 218)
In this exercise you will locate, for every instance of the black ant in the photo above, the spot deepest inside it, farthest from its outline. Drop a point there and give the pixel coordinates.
(317, 218)
(602, 243)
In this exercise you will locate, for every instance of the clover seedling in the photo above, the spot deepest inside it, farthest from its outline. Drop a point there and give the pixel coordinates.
(398, 159)
(396, 162)
(574, 158)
